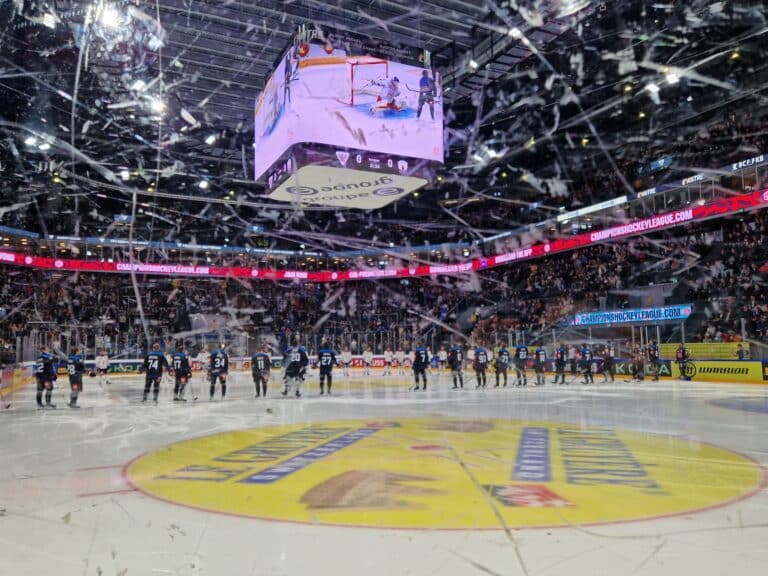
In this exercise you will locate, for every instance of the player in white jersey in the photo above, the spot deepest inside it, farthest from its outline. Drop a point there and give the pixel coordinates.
(346, 360)
(388, 356)
(102, 366)
(400, 359)
(204, 358)
(442, 358)
(367, 361)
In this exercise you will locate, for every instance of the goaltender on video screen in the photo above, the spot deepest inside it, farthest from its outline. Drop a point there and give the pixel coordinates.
(357, 102)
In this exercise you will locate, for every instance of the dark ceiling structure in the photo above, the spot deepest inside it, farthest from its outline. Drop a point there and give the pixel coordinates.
(113, 107)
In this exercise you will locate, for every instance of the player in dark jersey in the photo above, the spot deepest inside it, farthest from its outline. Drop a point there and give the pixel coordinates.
(682, 356)
(521, 359)
(295, 360)
(154, 364)
(326, 360)
(261, 365)
(218, 370)
(501, 363)
(420, 365)
(561, 355)
(586, 363)
(539, 364)
(45, 374)
(480, 365)
(75, 369)
(609, 362)
(182, 372)
(653, 359)
(638, 365)
(455, 362)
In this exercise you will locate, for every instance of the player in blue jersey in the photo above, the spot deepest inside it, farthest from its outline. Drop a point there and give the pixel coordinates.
(480, 365)
(154, 364)
(75, 370)
(521, 360)
(561, 355)
(45, 374)
(427, 93)
(586, 363)
(182, 372)
(501, 364)
(455, 363)
(261, 365)
(540, 364)
(326, 360)
(654, 359)
(420, 365)
(218, 371)
(295, 360)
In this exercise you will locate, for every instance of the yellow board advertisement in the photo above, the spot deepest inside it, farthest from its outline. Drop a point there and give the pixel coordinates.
(722, 371)
(708, 350)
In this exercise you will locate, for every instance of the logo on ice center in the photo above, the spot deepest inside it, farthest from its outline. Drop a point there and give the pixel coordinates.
(362, 473)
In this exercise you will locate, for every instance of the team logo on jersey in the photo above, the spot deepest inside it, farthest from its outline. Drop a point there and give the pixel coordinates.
(440, 473)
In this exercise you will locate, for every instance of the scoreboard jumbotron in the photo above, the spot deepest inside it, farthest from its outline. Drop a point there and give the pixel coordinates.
(340, 124)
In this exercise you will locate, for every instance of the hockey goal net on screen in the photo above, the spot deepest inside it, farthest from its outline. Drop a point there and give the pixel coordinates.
(366, 78)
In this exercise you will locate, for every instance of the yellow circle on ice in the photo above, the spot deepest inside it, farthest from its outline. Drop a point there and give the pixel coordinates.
(447, 473)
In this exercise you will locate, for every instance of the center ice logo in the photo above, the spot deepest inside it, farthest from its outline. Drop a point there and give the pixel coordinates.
(443, 473)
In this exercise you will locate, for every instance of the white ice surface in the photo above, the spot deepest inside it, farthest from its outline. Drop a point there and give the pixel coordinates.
(66, 510)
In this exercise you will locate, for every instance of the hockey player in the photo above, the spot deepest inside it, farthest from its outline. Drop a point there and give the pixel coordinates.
(521, 359)
(455, 363)
(326, 359)
(45, 374)
(501, 364)
(75, 369)
(539, 364)
(638, 365)
(400, 359)
(480, 365)
(609, 362)
(442, 358)
(388, 357)
(204, 360)
(295, 360)
(154, 365)
(427, 93)
(586, 363)
(420, 364)
(102, 367)
(390, 92)
(182, 372)
(561, 354)
(682, 356)
(653, 359)
(573, 358)
(218, 370)
(261, 365)
(367, 361)
(346, 360)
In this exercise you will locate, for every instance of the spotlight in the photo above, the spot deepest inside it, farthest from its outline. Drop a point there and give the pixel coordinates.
(515, 33)
(30, 141)
(203, 184)
(44, 146)
(211, 139)
(109, 17)
(157, 105)
(672, 78)
(474, 65)
(652, 88)
(125, 175)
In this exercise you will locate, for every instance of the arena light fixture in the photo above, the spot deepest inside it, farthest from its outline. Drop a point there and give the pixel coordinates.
(30, 141)
(652, 88)
(125, 175)
(109, 17)
(44, 146)
(203, 184)
(515, 33)
(211, 139)
(157, 106)
(473, 64)
(672, 78)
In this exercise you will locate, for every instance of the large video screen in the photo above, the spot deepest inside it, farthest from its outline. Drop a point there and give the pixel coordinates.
(357, 102)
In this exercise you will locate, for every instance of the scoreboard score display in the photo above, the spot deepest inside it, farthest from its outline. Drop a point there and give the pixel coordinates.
(336, 128)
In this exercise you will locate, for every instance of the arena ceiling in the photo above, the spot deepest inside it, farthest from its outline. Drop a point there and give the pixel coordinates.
(539, 95)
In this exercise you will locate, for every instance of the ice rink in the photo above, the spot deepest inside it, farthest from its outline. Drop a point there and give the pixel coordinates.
(403, 484)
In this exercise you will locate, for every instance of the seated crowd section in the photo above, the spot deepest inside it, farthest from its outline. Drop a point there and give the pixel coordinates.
(715, 265)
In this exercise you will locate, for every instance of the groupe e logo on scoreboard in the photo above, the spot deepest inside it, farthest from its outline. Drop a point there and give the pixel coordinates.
(363, 184)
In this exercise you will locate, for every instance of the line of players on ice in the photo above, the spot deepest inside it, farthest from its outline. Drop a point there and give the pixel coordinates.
(296, 362)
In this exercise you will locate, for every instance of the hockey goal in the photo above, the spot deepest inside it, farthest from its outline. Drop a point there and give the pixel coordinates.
(366, 78)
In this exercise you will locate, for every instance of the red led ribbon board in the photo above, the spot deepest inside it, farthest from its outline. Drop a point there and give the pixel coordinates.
(717, 208)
